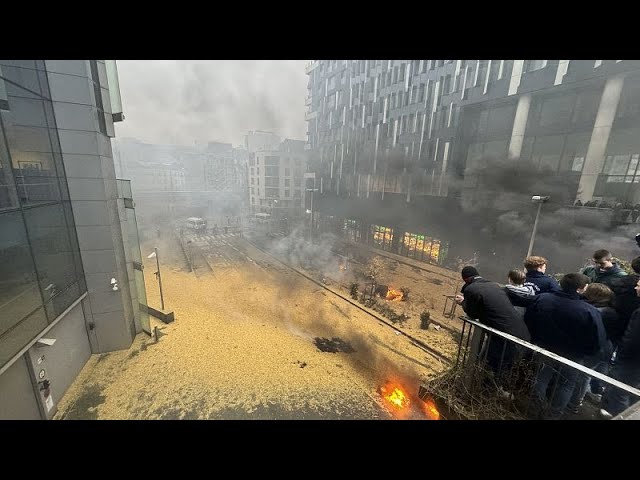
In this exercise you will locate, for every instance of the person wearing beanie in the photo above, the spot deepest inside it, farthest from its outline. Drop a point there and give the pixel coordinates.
(488, 303)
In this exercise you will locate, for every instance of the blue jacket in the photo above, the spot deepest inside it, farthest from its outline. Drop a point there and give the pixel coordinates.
(542, 283)
(564, 324)
(629, 349)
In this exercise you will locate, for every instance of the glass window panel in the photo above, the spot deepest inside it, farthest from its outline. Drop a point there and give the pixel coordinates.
(12, 341)
(27, 111)
(633, 165)
(577, 164)
(620, 165)
(52, 249)
(61, 301)
(19, 293)
(22, 82)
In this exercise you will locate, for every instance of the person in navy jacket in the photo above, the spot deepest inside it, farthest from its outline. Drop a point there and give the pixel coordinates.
(536, 277)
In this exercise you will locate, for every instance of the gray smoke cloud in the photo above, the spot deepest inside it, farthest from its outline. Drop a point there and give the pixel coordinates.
(182, 101)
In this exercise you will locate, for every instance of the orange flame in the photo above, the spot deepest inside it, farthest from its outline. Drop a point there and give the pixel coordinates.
(431, 410)
(394, 295)
(397, 398)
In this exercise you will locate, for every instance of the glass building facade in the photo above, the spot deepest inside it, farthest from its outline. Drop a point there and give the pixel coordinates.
(41, 271)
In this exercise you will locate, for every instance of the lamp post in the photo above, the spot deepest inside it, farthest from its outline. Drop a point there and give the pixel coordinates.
(157, 274)
(311, 212)
(539, 200)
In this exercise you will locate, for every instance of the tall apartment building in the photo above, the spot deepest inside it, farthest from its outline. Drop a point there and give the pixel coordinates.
(70, 278)
(392, 141)
(276, 179)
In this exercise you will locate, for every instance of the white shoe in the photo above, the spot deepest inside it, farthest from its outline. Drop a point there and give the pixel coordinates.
(594, 398)
(604, 414)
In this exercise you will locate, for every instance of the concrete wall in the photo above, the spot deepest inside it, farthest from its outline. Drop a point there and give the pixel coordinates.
(90, 171)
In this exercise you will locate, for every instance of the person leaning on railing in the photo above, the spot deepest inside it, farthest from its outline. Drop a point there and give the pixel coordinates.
(626, 368)
(488, 303)
(570, 327)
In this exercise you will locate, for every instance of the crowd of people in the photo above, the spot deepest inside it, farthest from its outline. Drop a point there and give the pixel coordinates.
(624, 212)
(591, 317)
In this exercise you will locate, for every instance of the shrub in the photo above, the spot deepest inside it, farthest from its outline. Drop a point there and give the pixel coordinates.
(425, 319)
(353, 290)
(405, 293)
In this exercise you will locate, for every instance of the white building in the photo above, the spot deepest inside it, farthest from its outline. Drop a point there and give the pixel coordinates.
(276, 179)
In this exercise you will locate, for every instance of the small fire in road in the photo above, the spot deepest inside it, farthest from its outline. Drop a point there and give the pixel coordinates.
(396, 397)
(394, 295)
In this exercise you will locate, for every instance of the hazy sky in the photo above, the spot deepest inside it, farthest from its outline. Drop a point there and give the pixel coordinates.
(182, 101)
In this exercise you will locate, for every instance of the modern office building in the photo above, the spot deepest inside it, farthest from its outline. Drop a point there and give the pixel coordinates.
(71, 282)
(276, 179)
(395, 143)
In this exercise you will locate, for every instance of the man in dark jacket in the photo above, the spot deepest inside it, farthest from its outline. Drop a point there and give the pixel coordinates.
(605, 269)
(625, 300)
(489, 304)
(564, 324)
(626, 369)
(536, 268)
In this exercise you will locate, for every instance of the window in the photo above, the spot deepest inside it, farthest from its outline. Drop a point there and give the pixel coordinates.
(446, 88)
(403, 69)
(287, 182)
(533, 65)
(444, 117)
(422, 92)
(287, 193)
(454, 114)
(577, 164)
(271, 171)
(482, 72)
(271, 181)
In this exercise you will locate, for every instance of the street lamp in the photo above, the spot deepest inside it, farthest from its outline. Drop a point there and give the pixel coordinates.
(154, 254)
(539, 200)
(311, 212)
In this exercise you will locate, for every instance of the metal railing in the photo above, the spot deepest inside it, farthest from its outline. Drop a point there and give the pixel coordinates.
(499, 376)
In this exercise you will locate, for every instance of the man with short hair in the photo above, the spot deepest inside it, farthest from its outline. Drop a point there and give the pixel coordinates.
(564, 324)
(536, 268)
(605, 269)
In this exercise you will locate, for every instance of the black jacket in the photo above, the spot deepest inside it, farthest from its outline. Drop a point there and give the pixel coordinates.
(625, 302)
(564, 324)
(488, 302)
(542, 283)
(629, 348)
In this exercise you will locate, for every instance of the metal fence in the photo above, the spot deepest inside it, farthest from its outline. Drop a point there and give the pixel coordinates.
(499, 376)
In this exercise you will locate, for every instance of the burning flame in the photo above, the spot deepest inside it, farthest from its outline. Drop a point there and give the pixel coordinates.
(394, 295)
(397, 397)
(430, 409)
